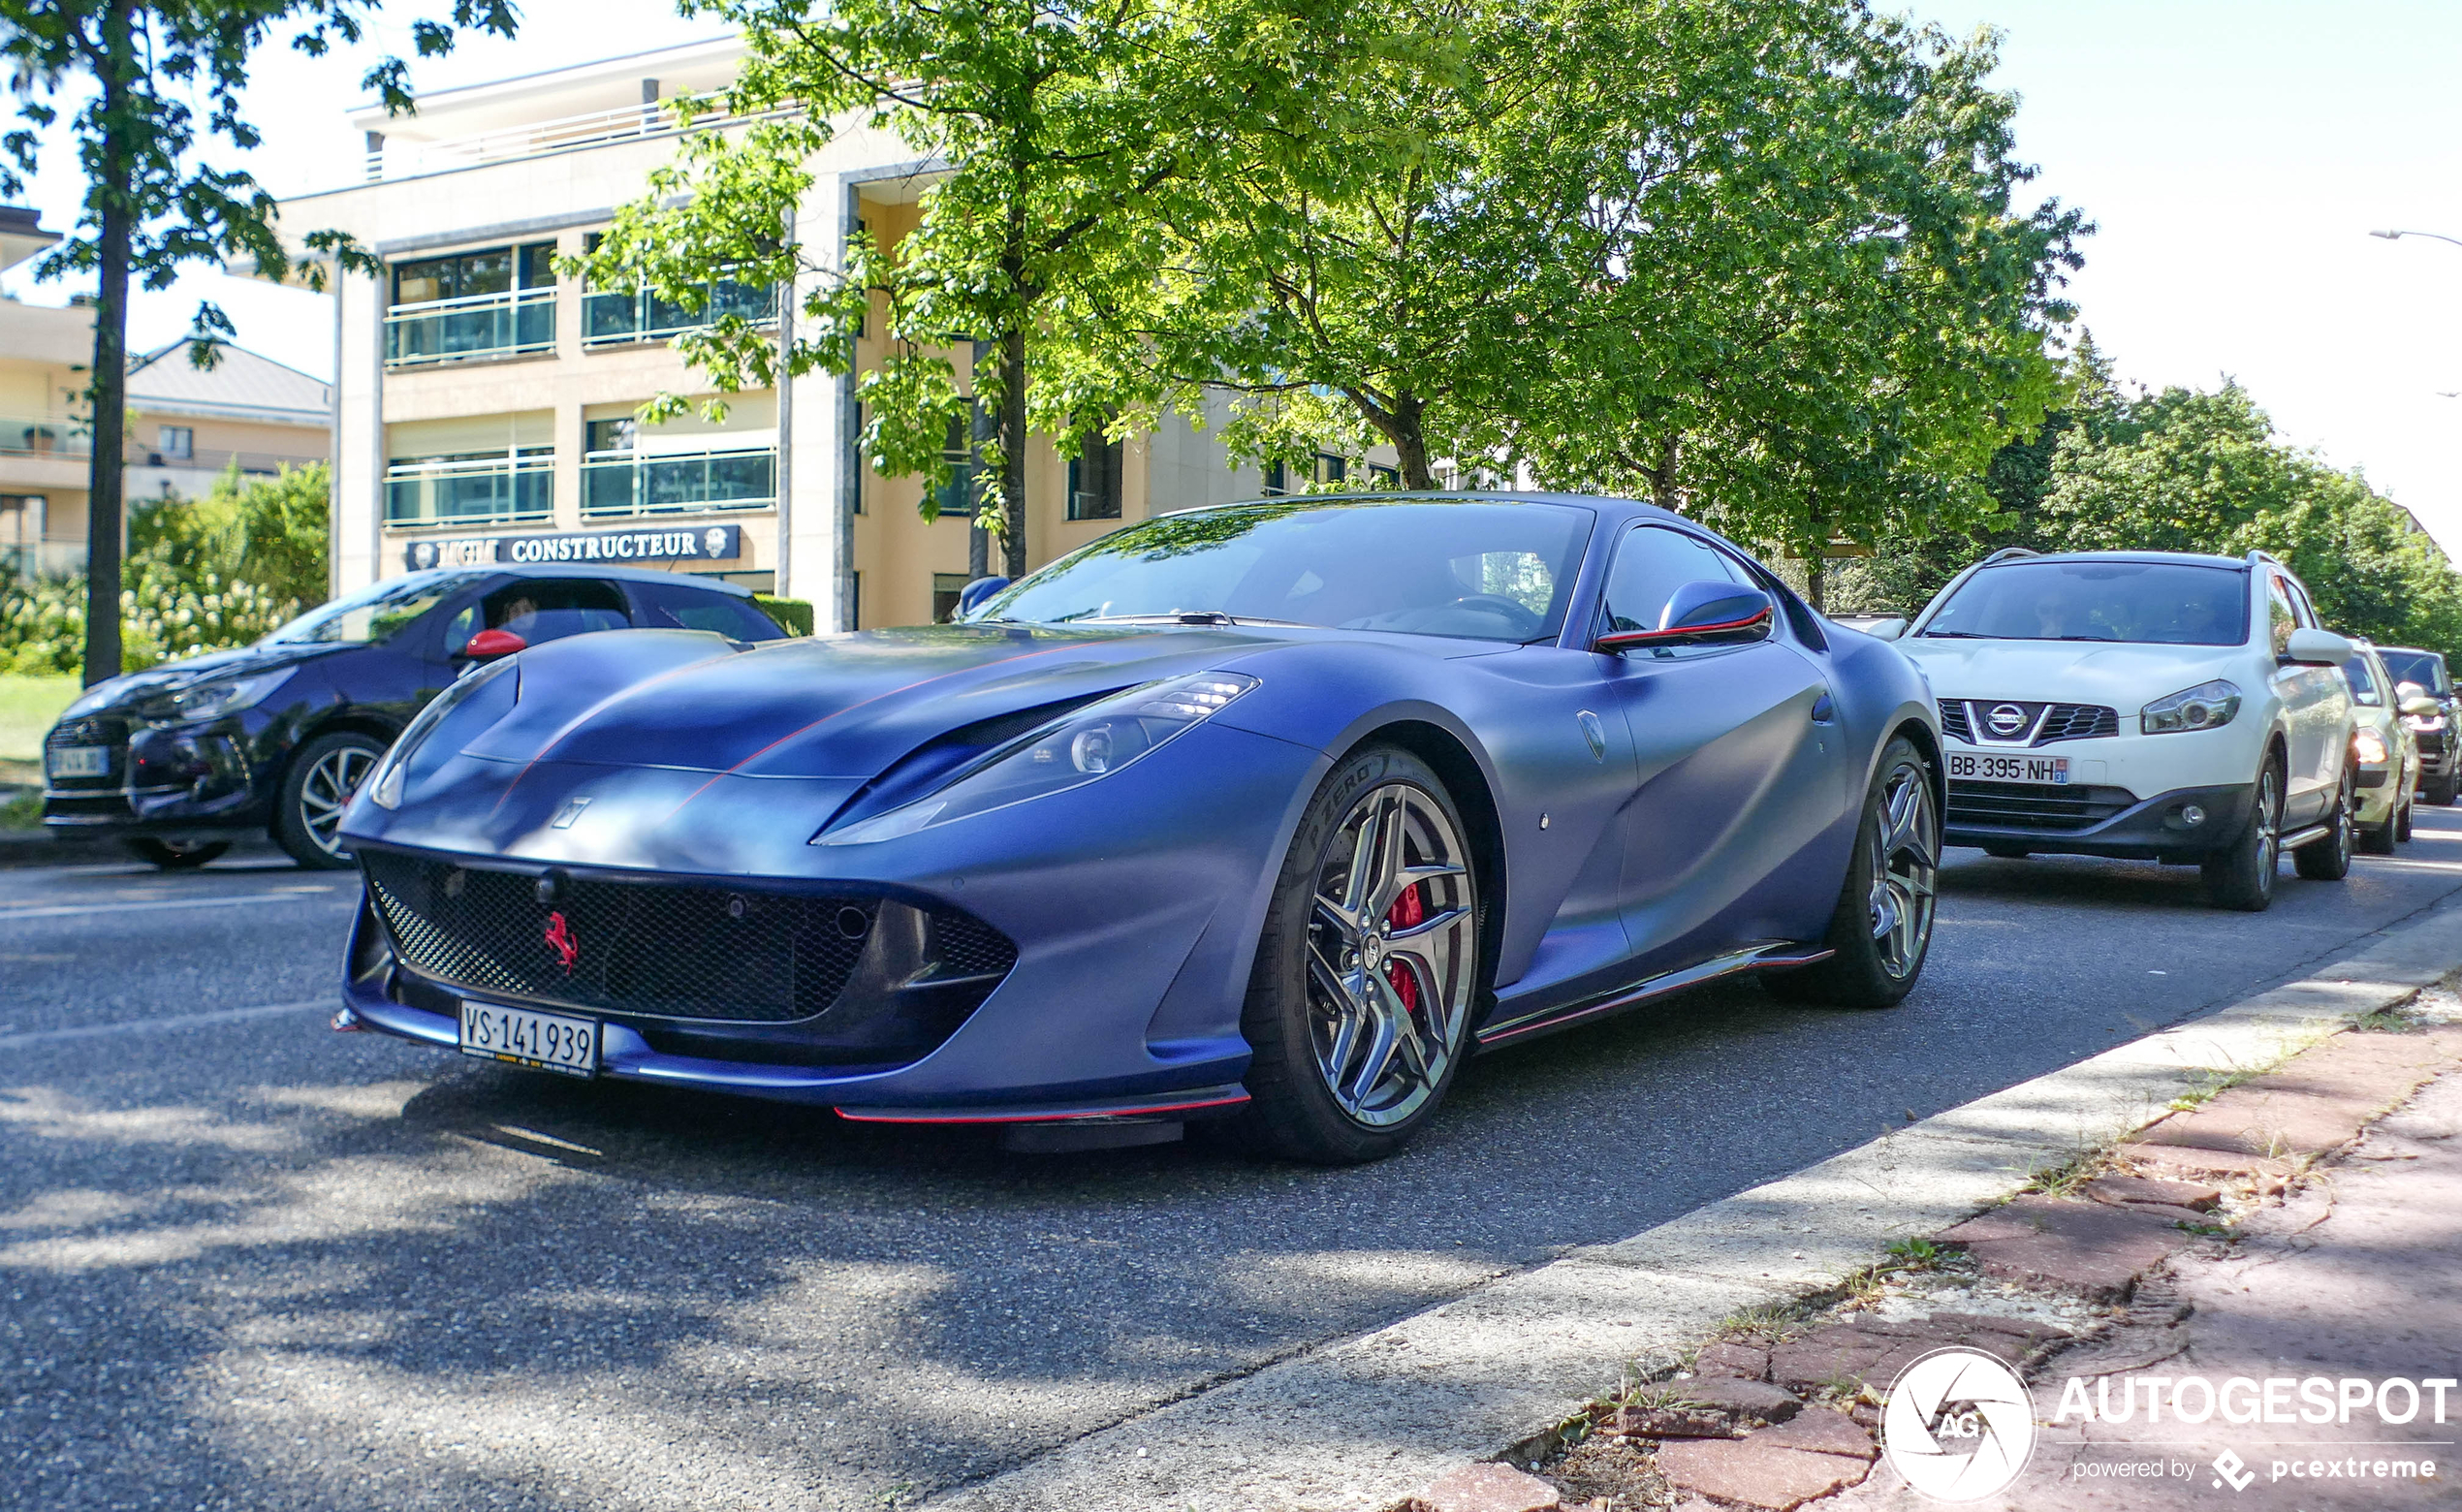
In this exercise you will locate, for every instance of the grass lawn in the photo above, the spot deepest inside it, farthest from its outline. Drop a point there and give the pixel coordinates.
(28, 705)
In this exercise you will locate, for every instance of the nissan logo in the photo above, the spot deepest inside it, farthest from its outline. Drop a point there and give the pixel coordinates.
(2005, 719)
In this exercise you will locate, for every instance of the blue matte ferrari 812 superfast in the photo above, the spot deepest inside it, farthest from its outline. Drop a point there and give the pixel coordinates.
(1272, 812)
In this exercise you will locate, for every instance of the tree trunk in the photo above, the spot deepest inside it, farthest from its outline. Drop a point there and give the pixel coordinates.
(107, 394)
(1817, 577)
(1012, 451)
(1662, 477)
(1409, 437)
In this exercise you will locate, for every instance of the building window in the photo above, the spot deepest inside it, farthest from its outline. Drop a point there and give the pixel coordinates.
(612, 436)
(1330, 469)
(855, 468)
(854, 601)
(175, 440)
(946, 587)
(487, 304)
(1383, 477)
(513, 486)
(957, 495)
(1277, 480)
(1094, 479)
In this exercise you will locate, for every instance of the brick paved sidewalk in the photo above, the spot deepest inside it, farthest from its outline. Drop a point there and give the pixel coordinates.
(2177, 1255)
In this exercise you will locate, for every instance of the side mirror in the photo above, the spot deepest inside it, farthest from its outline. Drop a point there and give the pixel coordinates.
(2405, 692)
(490, 644)
(978, 591)
(2418, 705)
(2318, 649)
(1700, 613)
(1885, 629)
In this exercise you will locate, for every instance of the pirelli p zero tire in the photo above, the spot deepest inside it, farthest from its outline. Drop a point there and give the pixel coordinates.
(308, 816)
(1368, 968)
(2241, 874)
(1881, 929)
(2327, 859)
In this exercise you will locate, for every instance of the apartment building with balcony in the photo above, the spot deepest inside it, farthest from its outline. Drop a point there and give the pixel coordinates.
(487, 407)
(186, 425)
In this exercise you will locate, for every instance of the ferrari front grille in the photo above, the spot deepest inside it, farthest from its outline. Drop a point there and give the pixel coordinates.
(657, 949)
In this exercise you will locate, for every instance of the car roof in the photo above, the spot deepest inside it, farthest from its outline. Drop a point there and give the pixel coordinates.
(1603, 503)
(581, 570)
(2412, 650)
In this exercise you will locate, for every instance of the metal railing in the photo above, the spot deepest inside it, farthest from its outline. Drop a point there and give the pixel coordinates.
(632, 482)
(493, 490)
(36, 435)
(211, 460)
(475, 325)
(609, 316)
(535, 138)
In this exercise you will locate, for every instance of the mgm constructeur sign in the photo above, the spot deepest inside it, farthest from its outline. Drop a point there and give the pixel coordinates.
(704, 543)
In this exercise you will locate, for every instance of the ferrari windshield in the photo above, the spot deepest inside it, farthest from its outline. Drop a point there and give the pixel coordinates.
(1479, 569)
(2149, 603)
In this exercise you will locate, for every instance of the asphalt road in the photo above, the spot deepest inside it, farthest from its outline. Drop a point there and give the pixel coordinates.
(250, 1263)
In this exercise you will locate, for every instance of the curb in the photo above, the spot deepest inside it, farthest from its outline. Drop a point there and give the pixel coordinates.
(1365, 1422)
(41, 848)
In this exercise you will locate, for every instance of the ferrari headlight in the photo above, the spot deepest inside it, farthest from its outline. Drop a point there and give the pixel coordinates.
(1079, 747)
(2200, 707)
(385, 792)
(2371, 748)
(212, 697)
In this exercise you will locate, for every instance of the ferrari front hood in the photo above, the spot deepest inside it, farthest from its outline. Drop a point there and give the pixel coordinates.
(843, 706)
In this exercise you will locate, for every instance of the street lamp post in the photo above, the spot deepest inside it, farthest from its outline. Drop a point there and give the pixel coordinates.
(2434, 236)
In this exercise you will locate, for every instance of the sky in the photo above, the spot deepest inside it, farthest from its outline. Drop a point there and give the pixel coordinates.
(2232, 154)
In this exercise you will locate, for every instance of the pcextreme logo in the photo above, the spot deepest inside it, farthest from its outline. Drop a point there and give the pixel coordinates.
(1959, 1425)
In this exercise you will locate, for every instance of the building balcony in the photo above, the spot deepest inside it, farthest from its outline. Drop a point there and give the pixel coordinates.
(496, 490)
(27, 561)
(615, 316)
(478, 325)
(402, 158)
(24, 435)
(631, 483)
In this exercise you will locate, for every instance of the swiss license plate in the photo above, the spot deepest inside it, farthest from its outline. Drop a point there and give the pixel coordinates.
(2009, 769)
(79, 761)
(524, 1037)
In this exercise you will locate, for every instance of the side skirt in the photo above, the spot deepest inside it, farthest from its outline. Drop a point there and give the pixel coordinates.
(1753, 958)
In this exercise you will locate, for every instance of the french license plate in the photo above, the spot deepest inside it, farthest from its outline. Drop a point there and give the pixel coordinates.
(524, 1037)
(79, 761)
(2009, 769)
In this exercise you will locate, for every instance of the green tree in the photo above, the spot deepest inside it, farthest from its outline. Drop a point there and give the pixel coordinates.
(1052, 132)
(269, 532)
(1843, 351)
(149, 89)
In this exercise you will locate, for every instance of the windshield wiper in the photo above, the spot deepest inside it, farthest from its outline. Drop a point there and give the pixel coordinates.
(1957, 635)
(1190, 616)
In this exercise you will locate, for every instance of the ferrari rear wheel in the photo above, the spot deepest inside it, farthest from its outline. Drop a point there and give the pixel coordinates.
(1359, 1007)
(1883, 928)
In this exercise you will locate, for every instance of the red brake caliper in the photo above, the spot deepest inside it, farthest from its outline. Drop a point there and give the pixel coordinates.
(1406, 914)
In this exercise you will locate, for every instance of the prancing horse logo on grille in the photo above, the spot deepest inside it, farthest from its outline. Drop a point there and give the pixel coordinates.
(560, 939)
(2005, 719)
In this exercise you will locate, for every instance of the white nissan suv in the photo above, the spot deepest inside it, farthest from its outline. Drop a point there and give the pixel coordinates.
(2147, 705)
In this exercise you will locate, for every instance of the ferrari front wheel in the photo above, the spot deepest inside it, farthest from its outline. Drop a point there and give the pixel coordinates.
(1882, 928)
(1359, 1005)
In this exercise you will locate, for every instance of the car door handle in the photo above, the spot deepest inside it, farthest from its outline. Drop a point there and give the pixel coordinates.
(1823, 710)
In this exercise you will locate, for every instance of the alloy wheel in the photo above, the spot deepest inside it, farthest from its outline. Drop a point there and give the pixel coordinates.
(1392, 954)
(327, 792)
(1905, 862)
(2269, 831)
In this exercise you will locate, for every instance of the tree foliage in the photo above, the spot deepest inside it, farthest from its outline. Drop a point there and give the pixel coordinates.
(150, 90)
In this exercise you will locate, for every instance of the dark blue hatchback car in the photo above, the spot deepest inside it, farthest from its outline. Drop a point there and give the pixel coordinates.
(180, 758)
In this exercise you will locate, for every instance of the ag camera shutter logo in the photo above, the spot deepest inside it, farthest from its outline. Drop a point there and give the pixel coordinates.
(1959, 1425)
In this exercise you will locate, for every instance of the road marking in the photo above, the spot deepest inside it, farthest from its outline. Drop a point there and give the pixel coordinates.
(185, 1021)
(66, 910)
